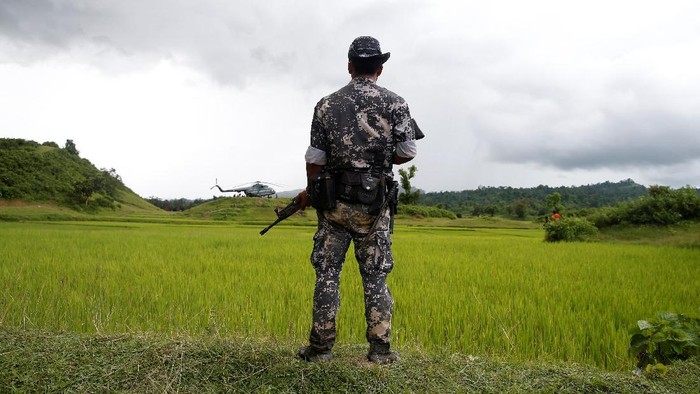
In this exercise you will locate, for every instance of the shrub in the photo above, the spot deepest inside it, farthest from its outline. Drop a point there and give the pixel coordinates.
(657, 342)
(662, 206)
(101, 201)
(651, 210)
(605, 217)
(426, 211)
(569, 229)
(687, 202)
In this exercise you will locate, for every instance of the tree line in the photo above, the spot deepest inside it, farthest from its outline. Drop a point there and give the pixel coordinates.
(177, 204)
(661, 206)
(531, 202)
(47, 172)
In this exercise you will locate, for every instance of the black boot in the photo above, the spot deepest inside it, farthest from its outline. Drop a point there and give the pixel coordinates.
(310, 354)
(381, 354)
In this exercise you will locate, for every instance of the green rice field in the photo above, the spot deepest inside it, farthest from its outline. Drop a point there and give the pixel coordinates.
(483, 292)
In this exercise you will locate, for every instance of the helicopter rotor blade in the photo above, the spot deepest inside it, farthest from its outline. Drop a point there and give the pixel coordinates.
(270, 183)
(262, 183)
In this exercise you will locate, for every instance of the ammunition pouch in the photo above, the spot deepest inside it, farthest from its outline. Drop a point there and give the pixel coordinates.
(349, 186)
(322, 191)
(361, 188)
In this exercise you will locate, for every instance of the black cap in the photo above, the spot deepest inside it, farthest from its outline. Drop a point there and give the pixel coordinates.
(367, 48)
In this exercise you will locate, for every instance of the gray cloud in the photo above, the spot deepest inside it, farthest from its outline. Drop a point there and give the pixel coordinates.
(41, 21)
(544, 88)
(230, 41)
(593, 112)
(617, 141)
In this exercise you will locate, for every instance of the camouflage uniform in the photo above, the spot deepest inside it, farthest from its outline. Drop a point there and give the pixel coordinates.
(358, 127)
(359, 124)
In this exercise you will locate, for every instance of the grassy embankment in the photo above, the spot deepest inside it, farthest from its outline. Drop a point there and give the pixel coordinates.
(35, 361)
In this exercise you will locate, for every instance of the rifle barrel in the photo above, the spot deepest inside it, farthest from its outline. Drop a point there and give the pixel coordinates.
(282, 214)
(263, 231)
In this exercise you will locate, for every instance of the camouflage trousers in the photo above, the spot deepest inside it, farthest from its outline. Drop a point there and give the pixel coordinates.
(336, 228)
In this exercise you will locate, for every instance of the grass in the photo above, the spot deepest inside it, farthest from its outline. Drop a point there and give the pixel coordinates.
(36, 361)
(148, 302)
(258, 211)
(684, 235)
(492, 292)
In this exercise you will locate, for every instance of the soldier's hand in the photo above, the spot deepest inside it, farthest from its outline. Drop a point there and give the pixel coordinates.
(302, 199)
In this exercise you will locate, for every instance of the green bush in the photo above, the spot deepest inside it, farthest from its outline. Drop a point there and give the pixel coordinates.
(651, 210)
(605, 217)
(662, 206)
(569, 229)
(426, 211)
(98, 201)
(661, 340)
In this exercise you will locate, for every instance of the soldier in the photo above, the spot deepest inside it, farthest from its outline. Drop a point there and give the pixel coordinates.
(357, 134)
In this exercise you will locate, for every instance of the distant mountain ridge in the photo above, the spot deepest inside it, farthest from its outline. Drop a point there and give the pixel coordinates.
(30, 171)
(289, 193)
(505, 200)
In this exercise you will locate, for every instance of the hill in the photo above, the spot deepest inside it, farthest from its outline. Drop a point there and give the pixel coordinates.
(248, 210)
(532, 201)
(33, 172)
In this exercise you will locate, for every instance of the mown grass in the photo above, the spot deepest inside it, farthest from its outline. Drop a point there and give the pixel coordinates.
(37, 361)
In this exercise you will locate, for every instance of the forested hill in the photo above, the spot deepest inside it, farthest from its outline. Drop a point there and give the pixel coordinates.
(532, 201)
(30, 171)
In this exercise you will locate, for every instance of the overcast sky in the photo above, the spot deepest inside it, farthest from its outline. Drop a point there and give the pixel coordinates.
(174, 94)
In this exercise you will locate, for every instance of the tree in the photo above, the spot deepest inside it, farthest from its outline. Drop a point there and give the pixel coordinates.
(111, 181)
(554, 201)
(520, 208)
(491, 210)
(70, 148)
(83, 189)
(408, 197)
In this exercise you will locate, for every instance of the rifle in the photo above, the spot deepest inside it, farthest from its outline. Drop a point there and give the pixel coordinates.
(284, 213)
(391, 198)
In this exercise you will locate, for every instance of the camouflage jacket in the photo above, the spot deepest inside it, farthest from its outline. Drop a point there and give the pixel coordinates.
(359, 126)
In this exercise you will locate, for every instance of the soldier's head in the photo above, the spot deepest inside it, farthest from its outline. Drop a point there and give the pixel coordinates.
(365, 57)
